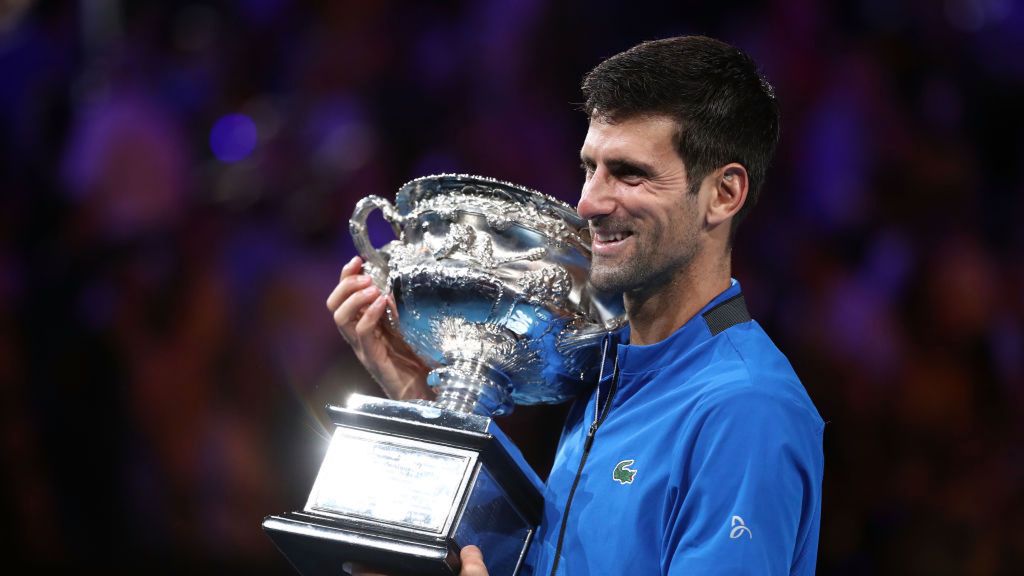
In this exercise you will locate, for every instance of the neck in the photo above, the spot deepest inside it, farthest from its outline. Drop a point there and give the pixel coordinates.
(656, 313)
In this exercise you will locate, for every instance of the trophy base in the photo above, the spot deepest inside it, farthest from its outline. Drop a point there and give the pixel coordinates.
(317, 546)
(404, 486)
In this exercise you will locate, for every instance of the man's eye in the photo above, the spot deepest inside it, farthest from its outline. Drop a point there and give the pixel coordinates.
(631, 178)
(631, 175)
(588, 171)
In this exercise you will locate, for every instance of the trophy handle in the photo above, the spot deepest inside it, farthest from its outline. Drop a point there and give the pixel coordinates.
(357, 227)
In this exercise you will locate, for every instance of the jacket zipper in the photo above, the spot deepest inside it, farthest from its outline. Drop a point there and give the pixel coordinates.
(599, 416)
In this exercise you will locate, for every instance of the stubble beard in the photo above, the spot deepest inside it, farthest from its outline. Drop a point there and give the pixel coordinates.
(616, 278)
(647, 268)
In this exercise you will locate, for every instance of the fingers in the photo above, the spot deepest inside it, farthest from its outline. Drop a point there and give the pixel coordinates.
(471, 556)
(351, 310)
(344, 289)
(371, 316)
(472, 562)
(350, 281)
(351, 267)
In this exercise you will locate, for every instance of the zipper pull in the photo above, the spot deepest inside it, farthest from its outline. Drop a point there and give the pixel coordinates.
(590, 438)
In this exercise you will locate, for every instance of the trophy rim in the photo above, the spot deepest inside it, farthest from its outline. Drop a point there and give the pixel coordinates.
(562, 209)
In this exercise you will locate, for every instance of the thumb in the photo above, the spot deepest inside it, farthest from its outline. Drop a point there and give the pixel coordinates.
(472, 562)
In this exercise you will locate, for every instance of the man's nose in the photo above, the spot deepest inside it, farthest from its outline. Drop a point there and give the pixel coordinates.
(596, 198)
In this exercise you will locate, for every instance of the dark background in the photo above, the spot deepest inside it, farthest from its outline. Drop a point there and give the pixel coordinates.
(177, 176)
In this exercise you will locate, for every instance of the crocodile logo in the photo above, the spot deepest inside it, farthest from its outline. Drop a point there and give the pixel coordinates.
(622, 473)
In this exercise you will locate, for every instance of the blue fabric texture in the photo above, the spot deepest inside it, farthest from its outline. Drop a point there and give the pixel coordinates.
(709, 462)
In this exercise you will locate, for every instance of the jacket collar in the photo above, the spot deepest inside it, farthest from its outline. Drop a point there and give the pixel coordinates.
(723, 311)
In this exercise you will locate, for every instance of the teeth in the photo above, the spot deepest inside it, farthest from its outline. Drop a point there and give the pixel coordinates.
(612, 237)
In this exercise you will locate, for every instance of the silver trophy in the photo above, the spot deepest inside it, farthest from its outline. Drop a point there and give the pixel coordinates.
(490, 285)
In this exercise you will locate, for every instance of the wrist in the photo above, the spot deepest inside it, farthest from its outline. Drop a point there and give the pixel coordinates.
(412, 389)
(416, 389)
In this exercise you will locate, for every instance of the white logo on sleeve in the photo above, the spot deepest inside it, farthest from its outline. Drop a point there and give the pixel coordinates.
(739, 528)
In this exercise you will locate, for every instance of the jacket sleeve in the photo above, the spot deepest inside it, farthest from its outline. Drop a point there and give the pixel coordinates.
(747, 490)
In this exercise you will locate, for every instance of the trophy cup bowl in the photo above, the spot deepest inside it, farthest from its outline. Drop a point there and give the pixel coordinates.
(490, 282)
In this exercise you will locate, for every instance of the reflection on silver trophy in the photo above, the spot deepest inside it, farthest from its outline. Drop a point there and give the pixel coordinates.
(490, 280)
(490, 283)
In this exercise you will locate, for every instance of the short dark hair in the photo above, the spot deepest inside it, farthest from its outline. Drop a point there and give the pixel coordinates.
(726, 110)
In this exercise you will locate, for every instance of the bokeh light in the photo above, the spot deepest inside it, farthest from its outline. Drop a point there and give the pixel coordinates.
(233, 137)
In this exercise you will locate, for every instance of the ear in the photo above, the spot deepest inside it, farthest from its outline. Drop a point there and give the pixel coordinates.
(730, 184)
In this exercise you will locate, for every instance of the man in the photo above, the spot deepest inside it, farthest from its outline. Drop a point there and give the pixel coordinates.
(699, 451)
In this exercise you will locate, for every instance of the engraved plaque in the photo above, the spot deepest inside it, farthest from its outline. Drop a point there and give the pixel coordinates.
(400, 481)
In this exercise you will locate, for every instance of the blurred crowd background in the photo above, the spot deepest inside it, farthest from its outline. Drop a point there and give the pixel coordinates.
(177, 178)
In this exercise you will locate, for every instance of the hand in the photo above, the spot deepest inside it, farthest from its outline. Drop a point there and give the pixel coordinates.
(358, 307)
(472, 564)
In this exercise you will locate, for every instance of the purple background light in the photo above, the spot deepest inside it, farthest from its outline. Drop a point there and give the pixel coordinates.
(233, 137)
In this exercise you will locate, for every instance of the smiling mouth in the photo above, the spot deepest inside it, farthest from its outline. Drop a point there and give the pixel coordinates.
(611, 237)
(607, 244)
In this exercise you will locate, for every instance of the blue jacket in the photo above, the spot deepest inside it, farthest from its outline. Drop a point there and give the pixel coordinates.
(708, 460)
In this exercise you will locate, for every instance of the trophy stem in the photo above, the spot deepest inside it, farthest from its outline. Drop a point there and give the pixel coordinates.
(472, 387)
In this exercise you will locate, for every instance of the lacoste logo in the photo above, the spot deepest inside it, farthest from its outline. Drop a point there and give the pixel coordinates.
(739, 528)
(622, 473)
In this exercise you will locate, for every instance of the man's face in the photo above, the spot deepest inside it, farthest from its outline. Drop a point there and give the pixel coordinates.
(644, 224)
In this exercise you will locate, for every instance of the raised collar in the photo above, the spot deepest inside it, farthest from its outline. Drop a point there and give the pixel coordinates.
(723, 311)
